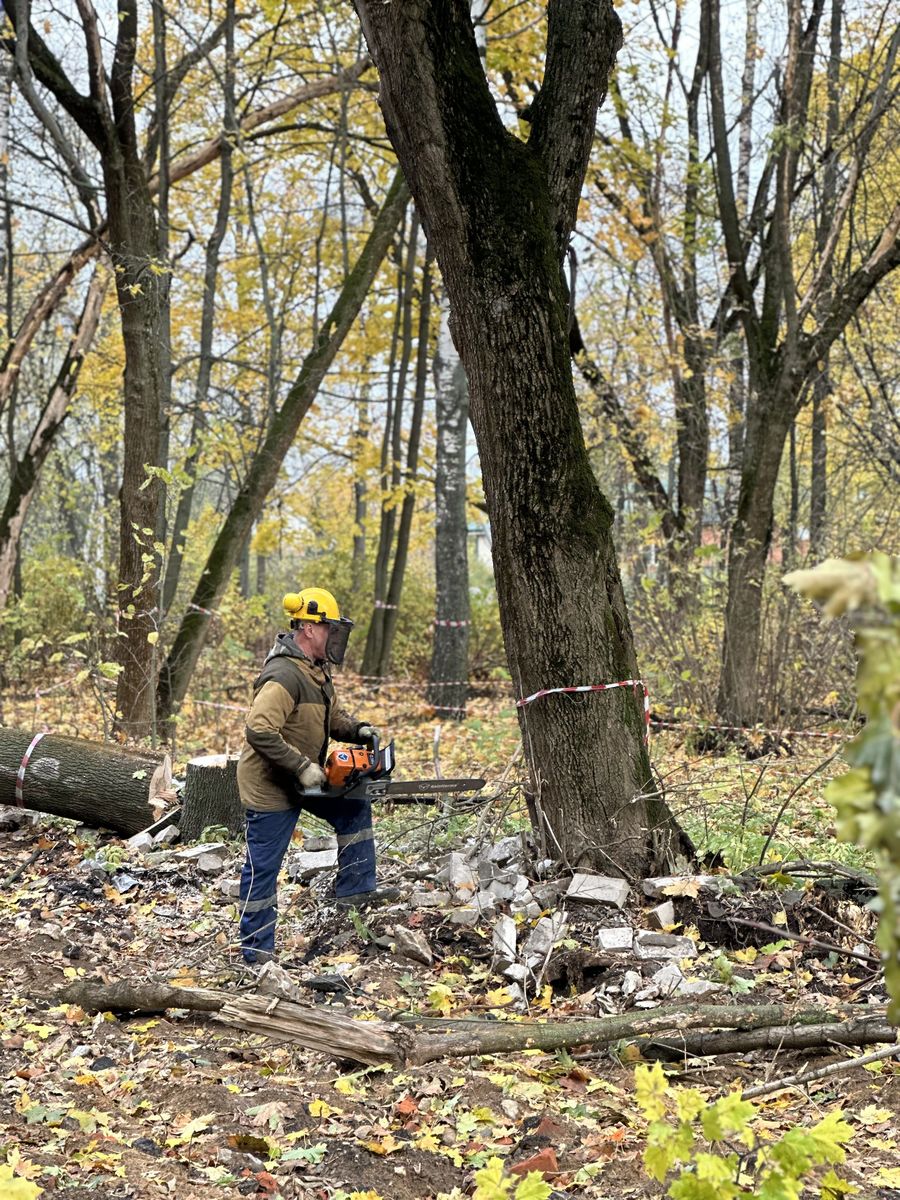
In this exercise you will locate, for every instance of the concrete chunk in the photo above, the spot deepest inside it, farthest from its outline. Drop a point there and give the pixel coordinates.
(663, 945)
(413, 945)
(166, 836)
(429, 899)
(663, 916)
(547, 931)
(615, 940)
(313, 842)
(467, 916)
(193, 852)
(307, 864)
(504, 850)
(598, 889)
(504, 941)
(141, 842)
(210, 864)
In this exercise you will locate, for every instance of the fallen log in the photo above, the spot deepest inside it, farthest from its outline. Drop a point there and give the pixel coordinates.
(862, 1031)
(97, 784)
(124, 996)
(413, 1042)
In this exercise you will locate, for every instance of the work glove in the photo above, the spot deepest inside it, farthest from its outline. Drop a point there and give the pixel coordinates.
(366, 734)
(311, 778)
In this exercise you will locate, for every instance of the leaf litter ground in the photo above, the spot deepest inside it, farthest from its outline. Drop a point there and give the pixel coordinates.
(175, 1104)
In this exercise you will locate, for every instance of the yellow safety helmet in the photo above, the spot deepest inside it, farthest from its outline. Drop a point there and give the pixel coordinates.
(319, 606)
(312, 604)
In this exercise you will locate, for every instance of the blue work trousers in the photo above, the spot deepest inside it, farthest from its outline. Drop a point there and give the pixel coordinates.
(268, 837)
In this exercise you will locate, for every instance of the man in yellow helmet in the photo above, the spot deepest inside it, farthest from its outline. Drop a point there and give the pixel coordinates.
(292, 717)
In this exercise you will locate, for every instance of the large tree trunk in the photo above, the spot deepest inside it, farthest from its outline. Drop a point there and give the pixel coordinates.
(447, 688)
(214, 578)
(97, 784)
(498, 214)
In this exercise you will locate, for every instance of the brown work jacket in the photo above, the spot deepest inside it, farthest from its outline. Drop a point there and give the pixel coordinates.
(291, 719)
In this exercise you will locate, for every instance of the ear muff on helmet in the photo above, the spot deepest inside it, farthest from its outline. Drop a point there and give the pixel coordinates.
(312, 604)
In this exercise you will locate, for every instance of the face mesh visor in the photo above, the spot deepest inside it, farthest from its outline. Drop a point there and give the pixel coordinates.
(338, 636)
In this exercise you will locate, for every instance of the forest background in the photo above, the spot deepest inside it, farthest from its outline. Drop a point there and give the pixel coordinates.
(211, 240)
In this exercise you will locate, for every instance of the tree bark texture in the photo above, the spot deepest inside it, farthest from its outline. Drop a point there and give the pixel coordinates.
(214, 578)
(448, 684)
(97, 784)
(210, 796)
(498, 213)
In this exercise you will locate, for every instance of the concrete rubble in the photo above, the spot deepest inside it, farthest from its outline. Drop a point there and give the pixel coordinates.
(535, 915)
(598, 889)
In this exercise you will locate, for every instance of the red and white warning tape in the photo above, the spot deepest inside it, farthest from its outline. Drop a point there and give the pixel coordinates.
(207, 612)
(20, 774)
(451, 624)
(596, 687)
(756, 730)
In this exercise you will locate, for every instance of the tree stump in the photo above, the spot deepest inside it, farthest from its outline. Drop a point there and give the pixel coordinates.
(91, 782)
(210, 796)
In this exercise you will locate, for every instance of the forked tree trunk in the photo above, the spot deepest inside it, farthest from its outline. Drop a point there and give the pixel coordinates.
(498, 214)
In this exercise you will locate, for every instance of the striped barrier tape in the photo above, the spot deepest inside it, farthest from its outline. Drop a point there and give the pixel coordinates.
(20, 774)
(596, 687)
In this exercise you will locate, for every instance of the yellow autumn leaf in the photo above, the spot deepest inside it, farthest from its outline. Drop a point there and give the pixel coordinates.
(89, 1121)
(347, 1086)
(780, 918)
(387, 1145)
(197, 1125)
(682, 887)
(321, 1108)
(747, 955)
(440, 998)
(16, 1188)
(427, 1141)
(871, 1115)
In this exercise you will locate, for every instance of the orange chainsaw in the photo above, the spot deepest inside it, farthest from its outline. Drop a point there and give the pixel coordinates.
(359, 772)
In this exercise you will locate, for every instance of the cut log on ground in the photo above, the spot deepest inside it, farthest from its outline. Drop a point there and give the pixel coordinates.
(97, 784)
(414, 1042)
(210, 796)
